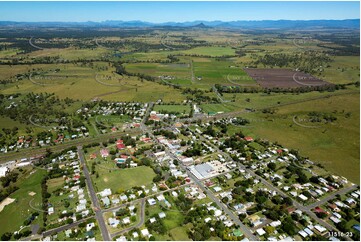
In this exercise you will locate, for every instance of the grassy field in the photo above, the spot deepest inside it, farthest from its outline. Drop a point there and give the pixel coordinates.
(343, 69)
(78, 82)
(211, 51)
(151, 56)
(8, 53)
(179, 234)
(54, 184)
(261, 100)
(158, 69)
(220, 72)
(70, 53)
(123, 179)
(13, 215)
(335, 145)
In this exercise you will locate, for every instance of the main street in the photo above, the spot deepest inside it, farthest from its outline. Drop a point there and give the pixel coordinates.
(93, 197)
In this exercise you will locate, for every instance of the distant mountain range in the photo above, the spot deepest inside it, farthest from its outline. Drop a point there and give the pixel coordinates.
(242, 24)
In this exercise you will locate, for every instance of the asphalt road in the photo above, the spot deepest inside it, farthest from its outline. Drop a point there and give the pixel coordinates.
(330, 197)
(93, 197)
(64, 227)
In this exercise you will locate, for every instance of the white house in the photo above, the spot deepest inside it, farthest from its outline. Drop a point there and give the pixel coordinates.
(106, 192)
(145, 232)
(3, 171)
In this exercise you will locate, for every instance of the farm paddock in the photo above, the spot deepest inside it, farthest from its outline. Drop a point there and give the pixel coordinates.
(283, 78)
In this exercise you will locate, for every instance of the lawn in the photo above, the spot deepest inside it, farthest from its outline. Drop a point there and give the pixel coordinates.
(123, 179)
(13, 215)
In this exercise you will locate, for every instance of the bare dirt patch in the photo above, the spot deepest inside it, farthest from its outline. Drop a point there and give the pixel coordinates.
(283, 78)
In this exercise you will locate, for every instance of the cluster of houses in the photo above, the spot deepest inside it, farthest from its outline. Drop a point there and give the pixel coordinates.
(334, 208)
(125, 220)
(194, 192)
(156, 116)
(88, 233)
(22, 142)
(280, 155)
(133, 109)
(69, 155)
(109, 199)
(144, 232)
(216, 214)
(71, 190)
(62, 135)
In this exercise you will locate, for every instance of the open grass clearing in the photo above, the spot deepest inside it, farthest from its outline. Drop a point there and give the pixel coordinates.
(123, 179)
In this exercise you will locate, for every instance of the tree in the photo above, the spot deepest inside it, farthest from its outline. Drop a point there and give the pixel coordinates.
(272, 166)
(302, 178)
(6, 236)
(269, 229)
(288, 201)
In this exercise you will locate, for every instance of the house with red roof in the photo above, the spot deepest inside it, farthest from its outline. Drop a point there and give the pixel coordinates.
(146, 139)
(76, 177)
(104, 153)
(248, 138)
(319, 210)
(120, 146)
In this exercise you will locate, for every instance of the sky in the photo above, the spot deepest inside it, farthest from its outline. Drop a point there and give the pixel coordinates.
(158, 12)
